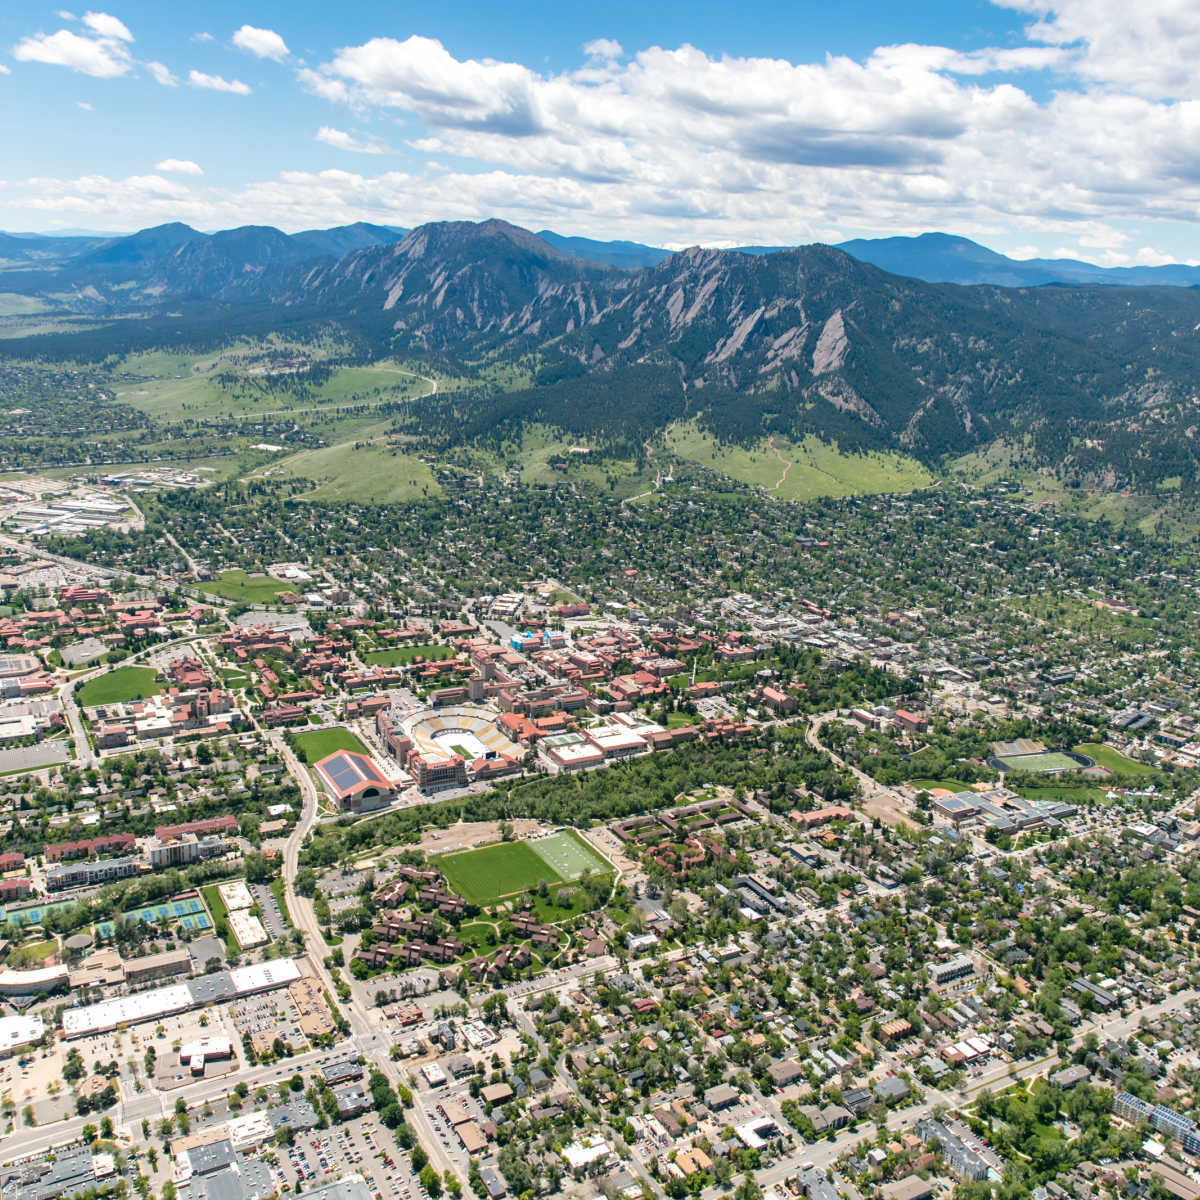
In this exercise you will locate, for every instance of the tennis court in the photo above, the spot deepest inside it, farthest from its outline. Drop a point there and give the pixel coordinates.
(569, 856)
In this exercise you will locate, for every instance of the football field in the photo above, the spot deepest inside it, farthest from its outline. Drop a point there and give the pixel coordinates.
(1047, 761)
(569, 855)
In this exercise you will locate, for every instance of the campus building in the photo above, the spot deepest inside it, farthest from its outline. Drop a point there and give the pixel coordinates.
(354, 781)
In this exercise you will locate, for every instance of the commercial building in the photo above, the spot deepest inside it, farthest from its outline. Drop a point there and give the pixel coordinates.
(175, 998)
(194, 1055)
(17, 1033)
(33, 983)
(247, 929)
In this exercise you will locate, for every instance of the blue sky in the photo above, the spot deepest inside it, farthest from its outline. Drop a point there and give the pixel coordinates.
(1036, 126)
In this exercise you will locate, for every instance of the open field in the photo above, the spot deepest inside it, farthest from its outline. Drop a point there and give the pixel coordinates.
(948, 785)
(569, 856)
(245, 589)
(174, 387)
(490, 873)
(817, 468)
(123, 684)
(1114, 760)
(316, 744)
(366, 473)
(402, 655)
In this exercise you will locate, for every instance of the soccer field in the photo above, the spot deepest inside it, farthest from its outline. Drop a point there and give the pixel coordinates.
(1049, 761)
(488, 874)
(569, 855)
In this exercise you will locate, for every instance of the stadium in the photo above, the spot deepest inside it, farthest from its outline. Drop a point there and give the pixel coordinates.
(467, 731)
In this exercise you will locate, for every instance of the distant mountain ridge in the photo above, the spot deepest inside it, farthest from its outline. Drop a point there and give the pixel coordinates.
(174, 258)
(807, 340)
(933, 257)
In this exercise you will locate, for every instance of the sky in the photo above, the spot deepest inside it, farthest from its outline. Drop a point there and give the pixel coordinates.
(1064, 128)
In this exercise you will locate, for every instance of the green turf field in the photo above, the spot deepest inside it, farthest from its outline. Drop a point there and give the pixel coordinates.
(245, 589)
(569, 856)
(123, 684)
(1049, 760)
(402, 655)
(317, 743)
(490, 873)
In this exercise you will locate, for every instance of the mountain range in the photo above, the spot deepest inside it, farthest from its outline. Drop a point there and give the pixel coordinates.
(807, 340)
(175, 258)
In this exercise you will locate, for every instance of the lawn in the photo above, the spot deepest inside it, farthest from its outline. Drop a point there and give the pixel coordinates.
(490, 873)
(313, 746)
(1065, 795)
(123, 684)
(220, 917)
(569, 856)
(245, 589)
(400, 656)
(1114, 760)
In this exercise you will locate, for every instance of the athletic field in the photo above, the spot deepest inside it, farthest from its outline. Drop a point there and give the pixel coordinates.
(1046, 762)
(569, 856)
(493, 872)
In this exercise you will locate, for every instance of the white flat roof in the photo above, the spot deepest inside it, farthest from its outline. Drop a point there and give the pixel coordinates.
(235, 895)
(580, 752)
(27, 982)
(127, 1010)
(247, 929)
(16, 1032)
(258, 977)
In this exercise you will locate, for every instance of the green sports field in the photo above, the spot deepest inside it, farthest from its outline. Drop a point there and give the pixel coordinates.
(120, 686)
(493, 872)
(1047, 761)
(569, 855)
(314, 746)
(486, 875)
(245, 589)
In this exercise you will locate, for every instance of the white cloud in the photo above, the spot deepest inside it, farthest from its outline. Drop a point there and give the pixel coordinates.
(678, 146)
(215, 83)
(5, 70)
(606, 49)
(83, 105)
(105, 26)
(179, 166)
(103, 58)
(203, 37)
(340, 140)
(263, 43)
(1150, 47)
(161, 74)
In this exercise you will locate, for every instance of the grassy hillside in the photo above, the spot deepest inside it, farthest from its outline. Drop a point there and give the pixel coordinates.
(802, 470)
(368, 474)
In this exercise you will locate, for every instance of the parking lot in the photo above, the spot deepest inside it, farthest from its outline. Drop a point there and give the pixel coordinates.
(265, 1018)
(362, 1146)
